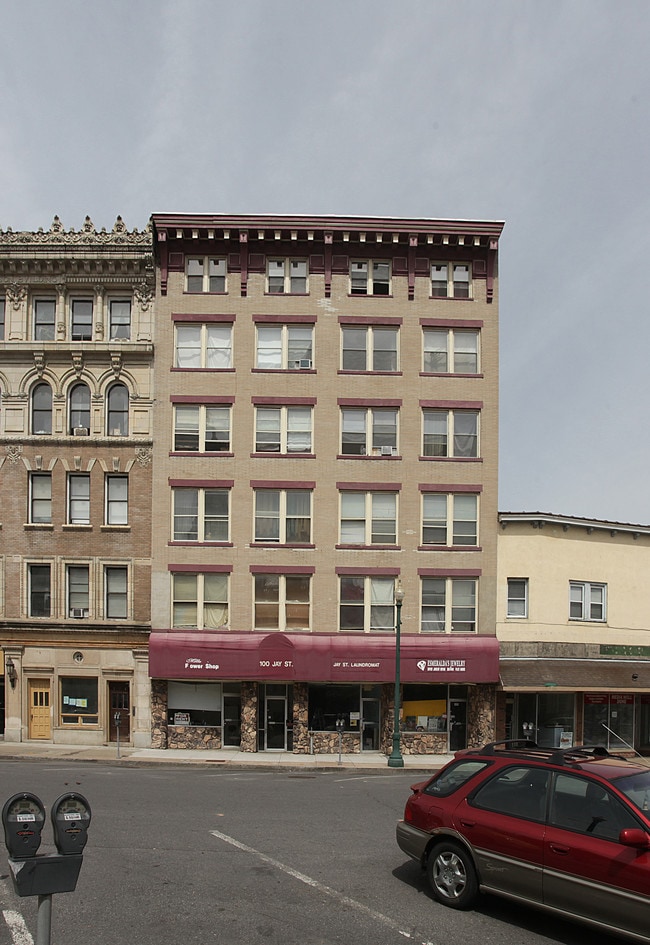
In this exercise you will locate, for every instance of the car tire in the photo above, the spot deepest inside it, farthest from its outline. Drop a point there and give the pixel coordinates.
(452, 875)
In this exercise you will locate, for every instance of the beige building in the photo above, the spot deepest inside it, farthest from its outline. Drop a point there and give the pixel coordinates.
(326, 429)
(572, 620)
(76, 355)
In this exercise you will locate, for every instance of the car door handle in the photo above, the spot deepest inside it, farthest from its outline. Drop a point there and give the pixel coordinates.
(468, 823)
(562, 851)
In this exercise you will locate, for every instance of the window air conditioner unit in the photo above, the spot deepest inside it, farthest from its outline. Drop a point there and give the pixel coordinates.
(304, 364)
(389, 451)
(80, 431)
(78, 612)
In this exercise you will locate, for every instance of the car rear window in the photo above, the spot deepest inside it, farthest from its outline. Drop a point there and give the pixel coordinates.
(453, 777)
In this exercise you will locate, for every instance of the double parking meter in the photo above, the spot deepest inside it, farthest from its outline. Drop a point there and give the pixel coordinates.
(23, 816)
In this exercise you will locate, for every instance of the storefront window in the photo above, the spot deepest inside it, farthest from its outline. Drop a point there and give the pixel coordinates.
(546, 718)
(609, 720)
(191, 703)
(78, 701)
(327, 703)
(424, 709)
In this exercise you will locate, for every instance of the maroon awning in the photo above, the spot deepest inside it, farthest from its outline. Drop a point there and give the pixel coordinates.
(323, 657)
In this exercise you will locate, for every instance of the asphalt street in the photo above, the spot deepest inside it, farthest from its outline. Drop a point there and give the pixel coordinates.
(182, 856)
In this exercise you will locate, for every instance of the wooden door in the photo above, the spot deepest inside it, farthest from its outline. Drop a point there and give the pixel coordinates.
(119, 701)
(39, 709)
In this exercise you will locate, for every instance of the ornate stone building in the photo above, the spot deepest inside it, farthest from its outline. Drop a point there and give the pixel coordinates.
(76, 358)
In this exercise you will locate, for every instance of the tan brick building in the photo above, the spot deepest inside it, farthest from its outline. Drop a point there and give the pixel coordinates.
(76, 356)
(326, 426)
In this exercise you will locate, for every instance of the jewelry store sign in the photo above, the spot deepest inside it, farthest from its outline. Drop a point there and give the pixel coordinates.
(441, 666)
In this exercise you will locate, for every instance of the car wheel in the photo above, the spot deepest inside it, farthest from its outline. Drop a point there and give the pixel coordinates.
(452, 875)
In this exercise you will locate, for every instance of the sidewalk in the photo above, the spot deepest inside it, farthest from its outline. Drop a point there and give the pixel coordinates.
(230, 758)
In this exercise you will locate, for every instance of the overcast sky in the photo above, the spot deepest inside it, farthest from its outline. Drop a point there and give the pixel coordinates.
(531, 112)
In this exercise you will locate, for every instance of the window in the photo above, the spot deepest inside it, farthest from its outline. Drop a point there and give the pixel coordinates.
(367, 603)
(284, 347)
(448, 605)
(283, 429)
(42, 410)
(449, 351)
(370, 278)
(200, 514)
(78, 590)
(368, 431)
(79, 499)
(449, 519)
(201, 428)
(517, 597)
(39, 590)
(368, 518)
(81, 320)
(588, 807)
(286, 276)
(369, 349)
(2, 319)
(117, 499)
(204, 274)
(117, 412)
(119, 319)
(79, 701)
(283, 516)
(204, 346)
(282, 601)
(452, 433)
(44, 315)
(517, 792)
(451, 280)
(587, 601)
(40, 498)
(80, 410)
(199, 702)
(200, 601)
(115, 590)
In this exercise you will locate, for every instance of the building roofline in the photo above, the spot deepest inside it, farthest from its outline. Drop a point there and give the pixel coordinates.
(539, 519)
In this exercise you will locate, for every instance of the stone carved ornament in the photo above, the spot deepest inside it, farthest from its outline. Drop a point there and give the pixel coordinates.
(85, 236)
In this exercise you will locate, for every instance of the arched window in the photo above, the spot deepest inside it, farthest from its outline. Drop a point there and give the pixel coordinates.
(80, 409)
(42, 409)
(117, 413)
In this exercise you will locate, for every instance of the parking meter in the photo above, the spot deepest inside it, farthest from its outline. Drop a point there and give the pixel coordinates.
(23, 816)
(70, 820)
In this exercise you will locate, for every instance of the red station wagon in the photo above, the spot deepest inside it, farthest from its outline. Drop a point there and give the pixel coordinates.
(566, 830)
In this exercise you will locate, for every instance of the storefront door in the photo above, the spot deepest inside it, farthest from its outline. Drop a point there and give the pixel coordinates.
(370, 722)
(119, 702)
(276, 723)
(457, 724)
(39, 709)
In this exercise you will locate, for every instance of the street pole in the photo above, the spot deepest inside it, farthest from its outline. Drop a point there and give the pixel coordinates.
(395, 759)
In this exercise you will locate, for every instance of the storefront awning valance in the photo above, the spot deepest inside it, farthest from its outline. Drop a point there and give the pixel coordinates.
(588, 675)
(327, 657)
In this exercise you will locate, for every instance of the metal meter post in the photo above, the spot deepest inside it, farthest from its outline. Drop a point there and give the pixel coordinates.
(117, 718)
(340, 725)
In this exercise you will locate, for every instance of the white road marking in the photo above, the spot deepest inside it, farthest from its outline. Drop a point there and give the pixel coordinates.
(344, 900)
(19, 932)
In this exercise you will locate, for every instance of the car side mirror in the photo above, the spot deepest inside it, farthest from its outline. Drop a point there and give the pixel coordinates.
(634, 837)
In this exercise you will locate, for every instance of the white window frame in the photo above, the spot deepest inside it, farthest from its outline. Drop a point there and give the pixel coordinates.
(377, 604)
(277, 351)
(287, 276)
(113, 594)
(119, 325)
(280, 517)
(198, 347)
(211, 614)
(31, 565)
(77, 601)
(451, 422)
(451, 287)
(588, 596)
(201, 494)
(47, 414)
(517, 602)
(78, 499)
(451, 349)
(367, 277)
(371, 431)
(44, 328)
(361, 517)
(372, 354)
(116, 499)
(451, 604)
(81, 328)
(213, 277)
(284, 604)
(40, 497)
(199, 430)
(287, 417)
(442, 514)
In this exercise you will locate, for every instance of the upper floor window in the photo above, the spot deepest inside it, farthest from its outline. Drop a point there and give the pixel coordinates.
(116, 582)
(44, 318)
(448, 605)
(119, 319)
(117, 499)
(369, 277)
(200, 514)
(80, 410)
(117, 411)
(40, 498)
(42, 409)
(78, 590)
(368, 431)
(450, 351)
(451, 280)
(449, 519)
(451, 433)
(371, 348)
(39, 591)
(283, 516)
(201, 428)
(587, 601)
(2, 319)
(286, 276)
(79, 499)
(204, 346)
(284, 347)
(282, 601)
(81, 319)
(368, 518)
(200, 601)
(517, 597)
(283, 429)
(205, 274)
(366, 603)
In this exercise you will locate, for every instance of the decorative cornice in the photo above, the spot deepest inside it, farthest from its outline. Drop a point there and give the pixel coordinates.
(88, 235)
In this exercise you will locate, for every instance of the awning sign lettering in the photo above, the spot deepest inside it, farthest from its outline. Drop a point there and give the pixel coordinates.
(276, 664)
(441, 666)
(193, 663)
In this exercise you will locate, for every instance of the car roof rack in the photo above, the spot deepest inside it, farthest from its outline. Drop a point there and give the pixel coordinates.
(558, 756)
